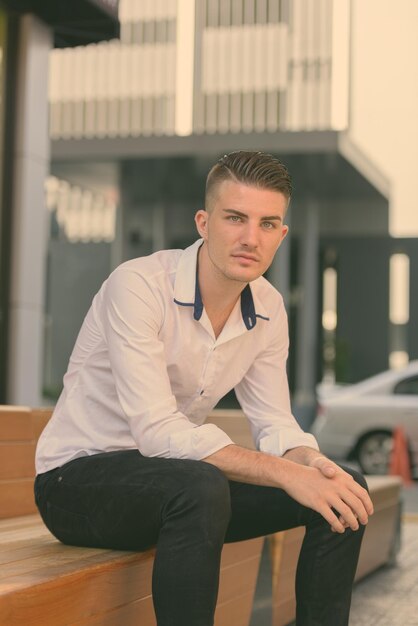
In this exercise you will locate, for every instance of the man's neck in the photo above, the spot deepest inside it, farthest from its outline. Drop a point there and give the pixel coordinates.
(219, 294)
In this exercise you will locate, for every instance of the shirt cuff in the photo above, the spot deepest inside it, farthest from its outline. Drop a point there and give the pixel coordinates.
(287, 438)
(198, 443)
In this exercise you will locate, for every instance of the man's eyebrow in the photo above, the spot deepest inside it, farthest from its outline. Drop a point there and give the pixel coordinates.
(262, 219)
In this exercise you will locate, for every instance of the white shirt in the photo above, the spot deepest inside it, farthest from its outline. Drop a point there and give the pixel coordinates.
(147, 369)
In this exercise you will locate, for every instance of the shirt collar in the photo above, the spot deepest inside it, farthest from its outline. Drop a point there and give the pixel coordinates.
(187, 292)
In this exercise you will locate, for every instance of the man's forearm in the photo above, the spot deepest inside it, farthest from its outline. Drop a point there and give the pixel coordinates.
(250, 466)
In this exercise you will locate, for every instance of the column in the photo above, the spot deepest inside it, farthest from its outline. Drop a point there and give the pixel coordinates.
(307, 317)
(30, 218)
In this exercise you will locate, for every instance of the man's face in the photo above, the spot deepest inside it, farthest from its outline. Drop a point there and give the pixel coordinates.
(242, 230)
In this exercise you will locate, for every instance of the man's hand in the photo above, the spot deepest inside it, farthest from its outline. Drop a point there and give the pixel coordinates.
(314, 459)
(327, 467)
(340, 499)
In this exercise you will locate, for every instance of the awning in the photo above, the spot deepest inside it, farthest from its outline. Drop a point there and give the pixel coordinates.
(74, 22)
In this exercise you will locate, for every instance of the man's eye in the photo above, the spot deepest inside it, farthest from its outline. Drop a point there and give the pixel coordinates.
(234, 218)
(268, 225)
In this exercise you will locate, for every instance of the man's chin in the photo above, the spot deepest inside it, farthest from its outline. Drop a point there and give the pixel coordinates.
(243, 277)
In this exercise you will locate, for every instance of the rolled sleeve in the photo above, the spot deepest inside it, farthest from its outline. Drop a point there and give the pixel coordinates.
(285, 439)
(201, 442)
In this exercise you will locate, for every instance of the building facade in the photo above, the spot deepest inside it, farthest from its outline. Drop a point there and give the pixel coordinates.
(135, 124)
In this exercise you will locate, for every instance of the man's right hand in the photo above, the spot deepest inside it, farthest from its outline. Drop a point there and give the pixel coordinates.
(340, 499)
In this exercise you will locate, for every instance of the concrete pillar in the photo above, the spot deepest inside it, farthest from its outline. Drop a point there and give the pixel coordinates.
(30, 218)
(307, 317)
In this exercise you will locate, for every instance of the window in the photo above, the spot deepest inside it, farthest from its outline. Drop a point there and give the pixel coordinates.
(409, 386)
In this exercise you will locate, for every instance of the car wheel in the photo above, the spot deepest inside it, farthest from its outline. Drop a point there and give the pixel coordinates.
(373, 452)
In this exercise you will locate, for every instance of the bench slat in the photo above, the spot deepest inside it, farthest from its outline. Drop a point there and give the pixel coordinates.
(128, 615)
(16, 497)
(17, 460)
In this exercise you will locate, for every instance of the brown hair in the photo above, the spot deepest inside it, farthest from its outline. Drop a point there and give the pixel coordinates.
(256, 169)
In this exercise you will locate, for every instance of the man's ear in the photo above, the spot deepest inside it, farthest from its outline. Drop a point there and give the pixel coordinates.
(201, 220)
(285, 230)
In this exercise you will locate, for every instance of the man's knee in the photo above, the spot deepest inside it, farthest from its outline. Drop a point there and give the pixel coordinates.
(205, 493)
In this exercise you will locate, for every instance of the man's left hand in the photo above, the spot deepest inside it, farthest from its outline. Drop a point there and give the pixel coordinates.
(313, 458)
(327, 467)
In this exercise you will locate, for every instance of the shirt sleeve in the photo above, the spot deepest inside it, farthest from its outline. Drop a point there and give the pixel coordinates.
(264, 395)
(133, 317)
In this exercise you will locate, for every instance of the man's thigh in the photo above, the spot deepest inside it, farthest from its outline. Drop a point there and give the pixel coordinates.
(113, 499)
(259, 511)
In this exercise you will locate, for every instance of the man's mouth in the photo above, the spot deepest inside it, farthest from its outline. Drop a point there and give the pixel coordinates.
(247, 257)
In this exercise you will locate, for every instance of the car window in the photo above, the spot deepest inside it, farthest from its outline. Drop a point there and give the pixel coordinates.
(408, 386)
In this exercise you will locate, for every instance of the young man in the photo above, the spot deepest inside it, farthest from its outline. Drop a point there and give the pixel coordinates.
(127, 460)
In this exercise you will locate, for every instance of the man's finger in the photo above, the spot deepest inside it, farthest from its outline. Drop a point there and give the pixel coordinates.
(357, 506)
(346, 513)
(332, 519)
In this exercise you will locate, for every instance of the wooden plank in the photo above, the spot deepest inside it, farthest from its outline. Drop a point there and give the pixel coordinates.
(66, 597)
(285, 612)
(13, 539)
(30, 565)
(138, 613)
(236, 612)
(15, 423)
(17, 460)
(87, 561)
(241, 551)
(44, 546)
(238, 579)
(20, 522)
(16, 498)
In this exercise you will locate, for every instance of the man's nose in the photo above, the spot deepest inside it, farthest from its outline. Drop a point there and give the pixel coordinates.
(249, 235)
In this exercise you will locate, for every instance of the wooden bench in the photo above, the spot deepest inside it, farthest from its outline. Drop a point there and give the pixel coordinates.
(45, 583)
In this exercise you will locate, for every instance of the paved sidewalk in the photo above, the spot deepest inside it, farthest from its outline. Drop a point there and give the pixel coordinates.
(389, 597)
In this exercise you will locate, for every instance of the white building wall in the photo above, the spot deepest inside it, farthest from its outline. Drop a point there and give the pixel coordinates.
(384, 100)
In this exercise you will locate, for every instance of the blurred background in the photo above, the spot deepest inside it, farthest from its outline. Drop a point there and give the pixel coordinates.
(111, 114)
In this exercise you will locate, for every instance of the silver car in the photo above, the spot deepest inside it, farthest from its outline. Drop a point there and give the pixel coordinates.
(356, 422)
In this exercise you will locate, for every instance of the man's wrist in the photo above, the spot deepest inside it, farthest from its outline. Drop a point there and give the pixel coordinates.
(303, 455)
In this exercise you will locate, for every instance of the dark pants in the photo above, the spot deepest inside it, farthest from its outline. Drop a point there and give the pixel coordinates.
(188, 509)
